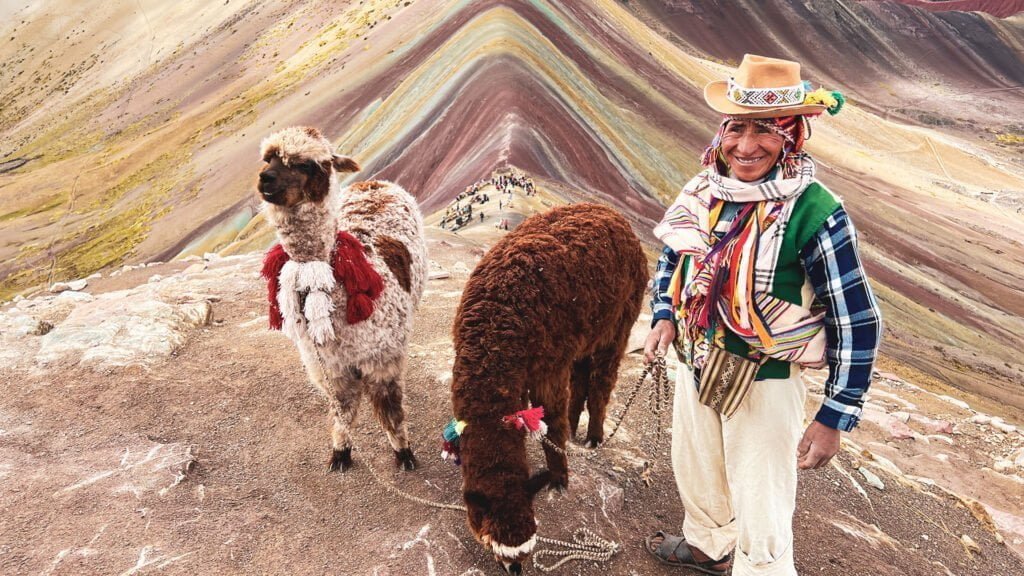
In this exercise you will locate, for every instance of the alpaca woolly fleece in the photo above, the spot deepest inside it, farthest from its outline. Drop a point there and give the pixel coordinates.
(297, 144)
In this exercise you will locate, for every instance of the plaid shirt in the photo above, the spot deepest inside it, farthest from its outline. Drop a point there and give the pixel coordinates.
(853, 322)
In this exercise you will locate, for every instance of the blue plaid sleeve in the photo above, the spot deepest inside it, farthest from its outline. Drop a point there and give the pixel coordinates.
(661, 300)
(853, 322)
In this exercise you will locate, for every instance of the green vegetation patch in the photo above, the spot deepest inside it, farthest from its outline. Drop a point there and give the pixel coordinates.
(47, 204)
(114, 234)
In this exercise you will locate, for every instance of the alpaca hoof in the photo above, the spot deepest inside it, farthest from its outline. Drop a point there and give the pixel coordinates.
(559, 484)
(592, 443)
(405, 459)
(340, 460)
(556, 493)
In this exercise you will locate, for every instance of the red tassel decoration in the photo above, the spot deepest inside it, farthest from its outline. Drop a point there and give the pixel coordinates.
(359, 308)
(529, 419)
(272, 264)
(353, 271)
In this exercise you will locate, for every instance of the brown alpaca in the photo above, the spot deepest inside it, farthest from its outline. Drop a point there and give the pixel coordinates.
(551, 303)
(350, 322)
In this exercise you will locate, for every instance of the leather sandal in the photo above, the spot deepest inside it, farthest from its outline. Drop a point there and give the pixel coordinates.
(675, 546)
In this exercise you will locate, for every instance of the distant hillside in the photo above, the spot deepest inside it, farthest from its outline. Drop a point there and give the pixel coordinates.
(129, 132)
(997, 8)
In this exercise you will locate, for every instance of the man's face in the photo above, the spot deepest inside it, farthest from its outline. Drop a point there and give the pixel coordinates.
(750, 149)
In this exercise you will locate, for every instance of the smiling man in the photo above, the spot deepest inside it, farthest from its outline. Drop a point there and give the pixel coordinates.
(759, 278)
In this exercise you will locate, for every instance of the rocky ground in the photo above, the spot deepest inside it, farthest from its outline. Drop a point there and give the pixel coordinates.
(150, 423)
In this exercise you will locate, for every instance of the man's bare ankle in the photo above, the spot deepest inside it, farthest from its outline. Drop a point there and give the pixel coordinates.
(700, 556)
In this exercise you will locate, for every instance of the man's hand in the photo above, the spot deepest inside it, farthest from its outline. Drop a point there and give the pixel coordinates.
(658, 341)
(819, 444)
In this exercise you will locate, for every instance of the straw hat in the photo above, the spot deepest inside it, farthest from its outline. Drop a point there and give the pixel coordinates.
(764, 88)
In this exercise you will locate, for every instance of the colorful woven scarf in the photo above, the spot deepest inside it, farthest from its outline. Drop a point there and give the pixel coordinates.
(730, 281)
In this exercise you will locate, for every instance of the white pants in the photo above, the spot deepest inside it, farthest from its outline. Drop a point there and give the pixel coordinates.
(737, 477)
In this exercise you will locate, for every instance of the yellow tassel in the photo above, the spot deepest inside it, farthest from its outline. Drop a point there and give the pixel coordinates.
(675, 286)
(821, 96)
(762, 332)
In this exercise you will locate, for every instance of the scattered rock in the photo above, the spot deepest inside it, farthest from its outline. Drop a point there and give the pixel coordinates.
(42, 328)
(460, 268)
(956, 402)
(1018, 459)
(938, 426)
(94, 276)
(871, 478)
(155, 278)
(901, 416)
(211, 256)
(941, 438)
(439, 275)
(58, 287)
(121, 328)
(73, 296)
(969, 544)
(78, 285)
(1003, 466)
(981, 419)
(899, 430)
(194, 268)
(998, 424)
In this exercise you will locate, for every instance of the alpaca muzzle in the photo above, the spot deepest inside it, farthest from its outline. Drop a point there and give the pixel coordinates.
(515, 568)
(268, 187)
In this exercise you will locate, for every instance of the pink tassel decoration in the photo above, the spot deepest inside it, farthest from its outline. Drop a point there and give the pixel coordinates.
(530, 420)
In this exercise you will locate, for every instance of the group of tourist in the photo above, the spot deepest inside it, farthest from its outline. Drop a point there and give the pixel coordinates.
(459, 214)
(503, 182)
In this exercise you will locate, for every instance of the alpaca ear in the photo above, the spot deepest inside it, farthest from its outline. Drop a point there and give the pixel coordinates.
(477, 499)
(345, 164)
(538, 481)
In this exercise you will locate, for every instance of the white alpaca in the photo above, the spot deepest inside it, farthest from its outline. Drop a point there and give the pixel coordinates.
(344, 358)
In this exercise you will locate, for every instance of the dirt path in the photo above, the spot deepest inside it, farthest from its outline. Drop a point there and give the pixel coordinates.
(212, 461)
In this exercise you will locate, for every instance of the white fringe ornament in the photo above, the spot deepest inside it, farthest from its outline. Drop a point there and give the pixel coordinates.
(316, 280)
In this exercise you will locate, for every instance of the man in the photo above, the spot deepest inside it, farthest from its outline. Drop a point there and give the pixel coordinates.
(751, 242)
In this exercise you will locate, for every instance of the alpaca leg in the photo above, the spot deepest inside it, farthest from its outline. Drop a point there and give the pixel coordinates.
(344, 407)
(579, 383)
(552, 393)
(386, 397)
(602, 381)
